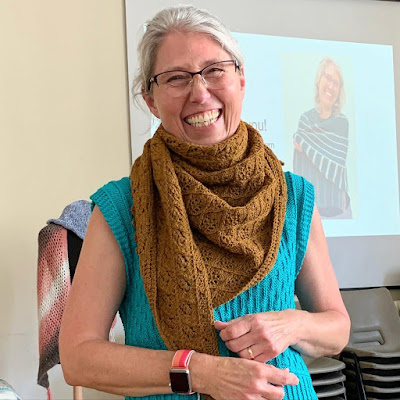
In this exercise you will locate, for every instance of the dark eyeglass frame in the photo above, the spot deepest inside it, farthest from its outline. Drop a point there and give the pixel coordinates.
(154, 78)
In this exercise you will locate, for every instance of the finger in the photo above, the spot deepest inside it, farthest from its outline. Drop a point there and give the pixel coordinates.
(264, 357)
(241, 344)
(235, 329)
(282, 377)
(274, 393)
(246, 353)
(220, 325)
(261, 358)
(253, 354)
(264, 352)
(259, 353)
(233, 321)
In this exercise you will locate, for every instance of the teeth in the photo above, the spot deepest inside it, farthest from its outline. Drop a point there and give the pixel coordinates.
(204, 119)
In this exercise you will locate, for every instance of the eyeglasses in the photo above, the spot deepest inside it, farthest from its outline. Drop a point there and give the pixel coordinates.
(216, 76)
(331, 80)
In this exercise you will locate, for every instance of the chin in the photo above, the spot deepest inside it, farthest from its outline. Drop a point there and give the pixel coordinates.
(205, 136)
(208, 140)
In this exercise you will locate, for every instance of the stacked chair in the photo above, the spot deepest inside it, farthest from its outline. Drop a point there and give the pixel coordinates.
(372, 356)
(327, 377)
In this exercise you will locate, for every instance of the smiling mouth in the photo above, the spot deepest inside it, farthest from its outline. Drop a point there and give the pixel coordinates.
(203, 119)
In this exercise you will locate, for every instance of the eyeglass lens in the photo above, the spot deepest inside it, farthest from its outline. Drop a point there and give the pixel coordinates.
(215, 76)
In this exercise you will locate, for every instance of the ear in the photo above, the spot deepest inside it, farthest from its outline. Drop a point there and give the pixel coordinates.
(149, 99)
(242, 80)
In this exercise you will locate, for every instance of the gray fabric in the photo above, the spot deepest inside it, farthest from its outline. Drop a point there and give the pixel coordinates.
(75, 217)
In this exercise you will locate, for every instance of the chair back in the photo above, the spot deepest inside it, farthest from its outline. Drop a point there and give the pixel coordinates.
(375, 323)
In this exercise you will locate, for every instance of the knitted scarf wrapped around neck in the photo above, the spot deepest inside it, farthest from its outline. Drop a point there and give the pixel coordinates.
(208, 225)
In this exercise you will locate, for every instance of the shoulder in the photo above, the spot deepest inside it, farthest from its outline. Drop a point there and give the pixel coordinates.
(114, 192)
(298, 187)
(300, 196)
(343, 119)
(114, 200)
(121, 186)
(299, 212)
(310, 114)
(341, 122)
(309, 117)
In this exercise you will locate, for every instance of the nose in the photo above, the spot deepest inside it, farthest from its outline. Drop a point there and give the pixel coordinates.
(198, 90)
(331, 84)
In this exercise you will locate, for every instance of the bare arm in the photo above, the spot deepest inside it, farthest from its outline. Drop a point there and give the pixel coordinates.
(326, 325)
(321, 328)
(89, 360)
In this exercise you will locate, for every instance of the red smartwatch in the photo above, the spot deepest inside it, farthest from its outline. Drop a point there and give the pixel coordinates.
(179, 374)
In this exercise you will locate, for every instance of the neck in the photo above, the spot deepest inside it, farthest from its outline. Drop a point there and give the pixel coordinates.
(325, 113)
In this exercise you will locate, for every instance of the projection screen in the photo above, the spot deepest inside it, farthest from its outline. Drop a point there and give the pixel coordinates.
(283, 43)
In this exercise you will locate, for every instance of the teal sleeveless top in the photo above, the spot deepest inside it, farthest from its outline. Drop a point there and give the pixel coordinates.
(274, 293)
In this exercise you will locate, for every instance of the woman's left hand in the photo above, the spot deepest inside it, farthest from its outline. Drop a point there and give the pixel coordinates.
(261, 336)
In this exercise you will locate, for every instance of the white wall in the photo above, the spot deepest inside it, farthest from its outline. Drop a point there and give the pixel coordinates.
(64, 132)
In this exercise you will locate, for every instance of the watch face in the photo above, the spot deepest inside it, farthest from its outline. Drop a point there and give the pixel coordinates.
(180, 382)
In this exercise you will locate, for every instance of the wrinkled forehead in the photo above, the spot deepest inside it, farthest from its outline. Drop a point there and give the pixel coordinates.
(187, 51)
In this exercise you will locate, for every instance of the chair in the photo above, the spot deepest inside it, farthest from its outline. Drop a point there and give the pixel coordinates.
(327, 377)
(375, 323)
(372, 356)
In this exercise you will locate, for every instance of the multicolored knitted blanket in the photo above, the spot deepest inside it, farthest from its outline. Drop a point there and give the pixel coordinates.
(54, 282)
(53, 285)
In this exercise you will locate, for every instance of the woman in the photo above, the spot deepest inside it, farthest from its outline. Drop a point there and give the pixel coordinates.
(221, 234)
(321, 143)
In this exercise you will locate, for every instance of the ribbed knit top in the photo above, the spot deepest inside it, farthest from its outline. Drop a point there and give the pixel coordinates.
(274, 293)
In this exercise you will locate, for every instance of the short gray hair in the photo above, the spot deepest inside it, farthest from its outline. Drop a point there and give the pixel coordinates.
(182, 18)
(341, 99)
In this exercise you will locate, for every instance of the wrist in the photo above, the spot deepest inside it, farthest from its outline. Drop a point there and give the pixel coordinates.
(300, 325)
(179, 373)
(199, 367)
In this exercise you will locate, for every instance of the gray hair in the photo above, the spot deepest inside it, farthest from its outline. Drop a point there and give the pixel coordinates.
(182, 18)
(341, 99)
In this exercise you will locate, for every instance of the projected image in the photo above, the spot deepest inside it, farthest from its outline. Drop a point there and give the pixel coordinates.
(321, 143)
(327, 110)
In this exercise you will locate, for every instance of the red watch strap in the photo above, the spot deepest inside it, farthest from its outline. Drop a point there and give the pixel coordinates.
(181, 358)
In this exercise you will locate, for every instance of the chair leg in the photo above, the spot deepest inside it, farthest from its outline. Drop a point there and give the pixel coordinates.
(359, 380)
(78, 393)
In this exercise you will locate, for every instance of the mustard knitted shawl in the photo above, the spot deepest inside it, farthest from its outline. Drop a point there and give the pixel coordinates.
(208, 225)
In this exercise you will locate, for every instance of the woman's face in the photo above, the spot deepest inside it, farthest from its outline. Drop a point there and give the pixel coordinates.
(221, 108)
(329, 87)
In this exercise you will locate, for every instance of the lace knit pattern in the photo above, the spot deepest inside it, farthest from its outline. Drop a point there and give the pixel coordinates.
(53, 285)
(275, 292)
(208, 224)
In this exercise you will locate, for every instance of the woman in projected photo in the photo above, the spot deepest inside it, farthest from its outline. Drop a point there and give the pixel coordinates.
(321, 143)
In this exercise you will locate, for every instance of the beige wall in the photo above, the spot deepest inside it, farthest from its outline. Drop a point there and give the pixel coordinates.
(63, 133)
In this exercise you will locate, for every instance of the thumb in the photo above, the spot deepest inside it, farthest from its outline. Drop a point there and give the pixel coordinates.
(220, 325)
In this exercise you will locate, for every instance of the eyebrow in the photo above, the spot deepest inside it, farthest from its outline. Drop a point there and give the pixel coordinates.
(180, 68)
